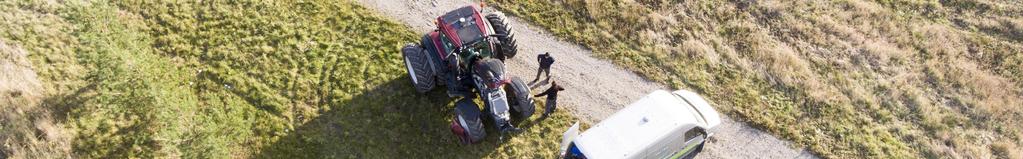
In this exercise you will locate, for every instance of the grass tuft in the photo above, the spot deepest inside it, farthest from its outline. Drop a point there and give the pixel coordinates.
(847, 79)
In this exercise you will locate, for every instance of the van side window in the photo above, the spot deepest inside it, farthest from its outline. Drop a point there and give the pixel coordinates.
(693, 133)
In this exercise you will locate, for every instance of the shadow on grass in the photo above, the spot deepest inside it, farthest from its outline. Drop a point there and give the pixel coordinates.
(390, 120)
(61, 104)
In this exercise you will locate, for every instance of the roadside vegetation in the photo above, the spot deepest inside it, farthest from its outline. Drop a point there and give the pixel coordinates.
(240, 79)
(846, 79)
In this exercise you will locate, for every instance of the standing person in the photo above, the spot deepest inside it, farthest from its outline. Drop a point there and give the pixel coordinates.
(552, 99)
(545, 60)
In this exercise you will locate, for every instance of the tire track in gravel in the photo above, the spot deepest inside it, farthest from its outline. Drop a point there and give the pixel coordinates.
(595, 88)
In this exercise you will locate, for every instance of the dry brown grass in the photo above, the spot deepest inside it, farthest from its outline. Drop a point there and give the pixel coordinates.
(27, 128)
(848, 78)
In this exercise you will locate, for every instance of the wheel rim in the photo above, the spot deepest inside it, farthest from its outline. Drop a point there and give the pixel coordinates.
(464, 125)
(411, 72)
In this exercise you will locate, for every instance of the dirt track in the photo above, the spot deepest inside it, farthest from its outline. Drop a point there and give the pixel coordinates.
(595, 88)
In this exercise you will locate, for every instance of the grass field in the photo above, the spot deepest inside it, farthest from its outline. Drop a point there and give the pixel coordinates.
(847, 78)
(244, 79)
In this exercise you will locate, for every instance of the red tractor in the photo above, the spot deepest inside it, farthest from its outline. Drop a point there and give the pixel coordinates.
(466, 54)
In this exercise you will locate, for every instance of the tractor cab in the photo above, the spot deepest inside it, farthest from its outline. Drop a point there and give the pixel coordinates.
(464, 35)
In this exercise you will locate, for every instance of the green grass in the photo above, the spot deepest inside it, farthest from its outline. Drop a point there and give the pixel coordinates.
(846, 79)
(245, 79)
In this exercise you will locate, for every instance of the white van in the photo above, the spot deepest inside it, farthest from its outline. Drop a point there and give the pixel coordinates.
(661, 125)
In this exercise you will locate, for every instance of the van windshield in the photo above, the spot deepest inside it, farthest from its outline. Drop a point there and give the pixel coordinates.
(696, 112)
(574, 153)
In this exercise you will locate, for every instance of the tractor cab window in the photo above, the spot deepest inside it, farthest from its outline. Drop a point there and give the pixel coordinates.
(467, 52)
(446, 42)
(450, 48)
(467, 31)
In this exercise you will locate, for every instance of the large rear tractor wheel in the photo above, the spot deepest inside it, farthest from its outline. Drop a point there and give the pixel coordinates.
(502, 26)
(519, 98)
(468, 124)
(418, 67)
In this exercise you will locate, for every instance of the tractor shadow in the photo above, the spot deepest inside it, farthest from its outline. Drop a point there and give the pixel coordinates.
(390, 120)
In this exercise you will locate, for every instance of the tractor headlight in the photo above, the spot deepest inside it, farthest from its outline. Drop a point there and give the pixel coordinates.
(503, 115)
(499, 104)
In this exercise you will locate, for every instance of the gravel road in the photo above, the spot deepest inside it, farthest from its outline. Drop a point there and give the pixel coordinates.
(595, 88)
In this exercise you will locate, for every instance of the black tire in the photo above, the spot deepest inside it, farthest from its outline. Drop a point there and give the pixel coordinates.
(519, 98)
(501, 25)
(439, 68)
(435, 60)
(418, 67)
(468, 115)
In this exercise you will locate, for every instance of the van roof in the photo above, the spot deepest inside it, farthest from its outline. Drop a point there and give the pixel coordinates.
(632, 129)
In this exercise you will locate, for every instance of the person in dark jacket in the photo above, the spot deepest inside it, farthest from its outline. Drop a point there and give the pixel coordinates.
(552, 98)
(545, 60)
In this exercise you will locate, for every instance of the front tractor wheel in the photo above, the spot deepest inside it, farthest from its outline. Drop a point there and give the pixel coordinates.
(418, 67)
(502, 26)
(468, 123)
(519, 98)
